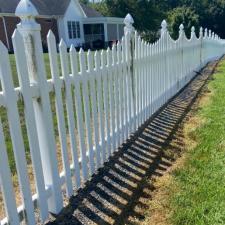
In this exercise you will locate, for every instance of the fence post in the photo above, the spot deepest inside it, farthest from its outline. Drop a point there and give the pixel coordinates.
(129, 32)
(30, 31)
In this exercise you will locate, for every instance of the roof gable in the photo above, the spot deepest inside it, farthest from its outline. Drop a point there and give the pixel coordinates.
(90, 12)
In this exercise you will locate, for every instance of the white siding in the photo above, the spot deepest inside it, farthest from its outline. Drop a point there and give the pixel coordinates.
(73, 13)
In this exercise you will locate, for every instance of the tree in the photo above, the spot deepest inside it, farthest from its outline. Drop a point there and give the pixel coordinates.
(185, 16)
(146, 14)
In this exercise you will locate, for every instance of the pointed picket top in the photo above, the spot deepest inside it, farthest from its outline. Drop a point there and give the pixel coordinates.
(51, 36)
(103, 61)
(6, 80)
(210, 33)
(192, 31)
(114, 54)
(97, 61)
(108, 56)
(90, 60)
(201, 32)
(73, 60)
(206, 33)
(62, 45)
(17, 35)
(118, 45)
(82, 61)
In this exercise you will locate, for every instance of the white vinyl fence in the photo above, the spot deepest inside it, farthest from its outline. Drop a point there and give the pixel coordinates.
(101, 98)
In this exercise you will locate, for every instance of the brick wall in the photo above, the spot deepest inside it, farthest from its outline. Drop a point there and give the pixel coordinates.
(11, 22)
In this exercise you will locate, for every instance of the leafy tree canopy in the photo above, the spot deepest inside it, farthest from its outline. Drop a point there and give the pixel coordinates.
(185, 16)
(148, 14)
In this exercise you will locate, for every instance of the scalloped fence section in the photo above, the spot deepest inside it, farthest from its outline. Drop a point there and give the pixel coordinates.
(62, 125)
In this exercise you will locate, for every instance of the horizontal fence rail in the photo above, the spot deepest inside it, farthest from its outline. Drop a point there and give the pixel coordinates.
(89, 105)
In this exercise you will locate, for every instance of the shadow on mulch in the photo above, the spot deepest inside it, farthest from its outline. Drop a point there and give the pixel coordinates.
(112, 195)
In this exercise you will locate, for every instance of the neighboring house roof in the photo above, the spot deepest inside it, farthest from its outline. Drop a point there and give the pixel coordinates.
(46, 7)
(90, 12)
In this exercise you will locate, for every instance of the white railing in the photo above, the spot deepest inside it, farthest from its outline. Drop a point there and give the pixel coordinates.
(100, 100)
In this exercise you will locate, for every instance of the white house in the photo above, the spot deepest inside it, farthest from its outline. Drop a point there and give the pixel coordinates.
(76, 23)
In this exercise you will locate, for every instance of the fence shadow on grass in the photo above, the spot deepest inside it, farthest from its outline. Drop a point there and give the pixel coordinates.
(113, 194)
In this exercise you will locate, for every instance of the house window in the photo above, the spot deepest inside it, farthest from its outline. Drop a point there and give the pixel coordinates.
(73, 29)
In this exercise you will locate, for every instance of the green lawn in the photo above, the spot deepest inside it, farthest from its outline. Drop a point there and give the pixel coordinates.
(199, 194)
(3, 116)
(3, 113)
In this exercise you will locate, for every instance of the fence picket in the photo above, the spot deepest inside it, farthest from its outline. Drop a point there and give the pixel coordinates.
(106, 102)
(94, 106)
(124, 82)
(85, 92)
(16, 134)
(98, 71)
(116, 59)
(120, 91)
(59, 105)
(111, 100)
(80, 118)
(6, 183)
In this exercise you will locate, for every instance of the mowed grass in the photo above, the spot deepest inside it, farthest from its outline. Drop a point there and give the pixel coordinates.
(3, 115)
(198, 193)
(3, 112)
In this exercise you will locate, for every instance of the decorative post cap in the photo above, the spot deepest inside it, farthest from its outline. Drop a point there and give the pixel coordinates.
(26, 9)
(181, 29)
(164, 25)
(27, 12)
(128, 21)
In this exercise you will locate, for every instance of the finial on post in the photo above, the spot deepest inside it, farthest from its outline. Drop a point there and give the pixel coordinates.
(27, 12)
(163, 27)
(128, 21)
(181, 29)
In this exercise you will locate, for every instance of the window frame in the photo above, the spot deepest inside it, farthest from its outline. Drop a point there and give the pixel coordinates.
(73, 28)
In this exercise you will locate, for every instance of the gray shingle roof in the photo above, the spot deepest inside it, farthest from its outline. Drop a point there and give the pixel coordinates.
(46, 7)
(89, 12)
